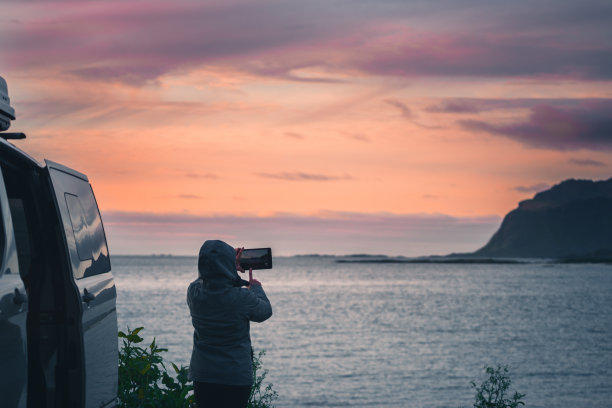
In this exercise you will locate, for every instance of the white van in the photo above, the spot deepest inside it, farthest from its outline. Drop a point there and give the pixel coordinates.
(58, 317)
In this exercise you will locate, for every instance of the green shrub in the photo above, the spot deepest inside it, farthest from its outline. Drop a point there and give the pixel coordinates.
(494, 390)
(144, 381)
(260, 398)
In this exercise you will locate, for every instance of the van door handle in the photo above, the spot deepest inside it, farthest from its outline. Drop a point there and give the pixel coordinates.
(88, 297)
(19, 298)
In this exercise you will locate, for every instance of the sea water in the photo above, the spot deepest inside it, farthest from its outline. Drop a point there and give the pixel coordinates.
(402, 335)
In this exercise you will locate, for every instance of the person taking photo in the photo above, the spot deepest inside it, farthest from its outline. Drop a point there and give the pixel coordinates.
(221, 311)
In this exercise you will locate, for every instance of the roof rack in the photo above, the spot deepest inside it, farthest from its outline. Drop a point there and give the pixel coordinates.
(12, 135)
(7, 113)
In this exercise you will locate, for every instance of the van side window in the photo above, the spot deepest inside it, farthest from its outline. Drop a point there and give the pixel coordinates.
(88, 233)
(2, 241)
(22, 236)
(18, 198)
(82, 236)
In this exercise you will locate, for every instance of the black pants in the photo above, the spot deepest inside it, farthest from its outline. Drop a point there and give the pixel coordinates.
(208, 395)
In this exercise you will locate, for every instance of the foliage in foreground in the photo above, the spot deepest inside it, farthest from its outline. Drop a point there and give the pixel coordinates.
(144, 381)
(259, 398)
(494, 390)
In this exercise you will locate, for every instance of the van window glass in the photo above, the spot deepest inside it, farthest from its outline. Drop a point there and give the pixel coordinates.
(88, 232)
(22, 236)
(79, 227)
(19, 212)
(2, 242)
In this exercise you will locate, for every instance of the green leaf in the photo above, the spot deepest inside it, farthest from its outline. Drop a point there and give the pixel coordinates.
(134, 338)
(145, 369)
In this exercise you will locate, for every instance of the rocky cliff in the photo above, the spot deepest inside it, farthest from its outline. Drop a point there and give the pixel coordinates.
(572, 219)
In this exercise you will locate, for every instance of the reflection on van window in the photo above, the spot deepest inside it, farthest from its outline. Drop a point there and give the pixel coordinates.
(2, 241)
(79, 227)
(22, 236)
(88, 233)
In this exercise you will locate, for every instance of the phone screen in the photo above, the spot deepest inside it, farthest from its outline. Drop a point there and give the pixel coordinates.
(256, 258)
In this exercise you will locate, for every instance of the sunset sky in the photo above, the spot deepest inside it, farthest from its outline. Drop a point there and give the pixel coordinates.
(397, 127)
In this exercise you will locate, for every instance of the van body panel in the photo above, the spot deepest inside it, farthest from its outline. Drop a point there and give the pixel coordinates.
(53, 165)
(13, 313)
(13, 343)
(100, 339)
(88, 253)
(9, 248)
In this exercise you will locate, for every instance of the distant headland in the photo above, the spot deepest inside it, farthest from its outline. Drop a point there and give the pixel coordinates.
(571, 220)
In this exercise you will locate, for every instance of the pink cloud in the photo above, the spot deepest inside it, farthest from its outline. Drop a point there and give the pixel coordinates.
(405, 111)
(328, 232)
(135, 42)
(535, 188)
(587, 162)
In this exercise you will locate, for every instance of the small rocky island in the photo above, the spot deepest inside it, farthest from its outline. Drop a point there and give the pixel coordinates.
(571, 220)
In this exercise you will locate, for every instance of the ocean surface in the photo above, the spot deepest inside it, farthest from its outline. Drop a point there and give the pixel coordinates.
(402, 335)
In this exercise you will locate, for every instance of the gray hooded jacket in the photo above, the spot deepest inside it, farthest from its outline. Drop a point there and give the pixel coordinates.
(220, 313)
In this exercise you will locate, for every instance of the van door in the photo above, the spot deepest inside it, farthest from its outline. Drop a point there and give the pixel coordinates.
(13, 313)
(88, 252)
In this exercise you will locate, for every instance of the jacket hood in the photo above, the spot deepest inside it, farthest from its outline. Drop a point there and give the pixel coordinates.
(217, 264)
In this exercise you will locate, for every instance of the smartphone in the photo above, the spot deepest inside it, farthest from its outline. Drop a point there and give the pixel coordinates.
(256, 258)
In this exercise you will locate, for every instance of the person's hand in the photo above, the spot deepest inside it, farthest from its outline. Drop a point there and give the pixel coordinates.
(238, 253)
(252, 281)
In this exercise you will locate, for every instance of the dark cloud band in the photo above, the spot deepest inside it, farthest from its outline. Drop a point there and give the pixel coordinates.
(126, 42)
(550, 127)
(300, 176)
